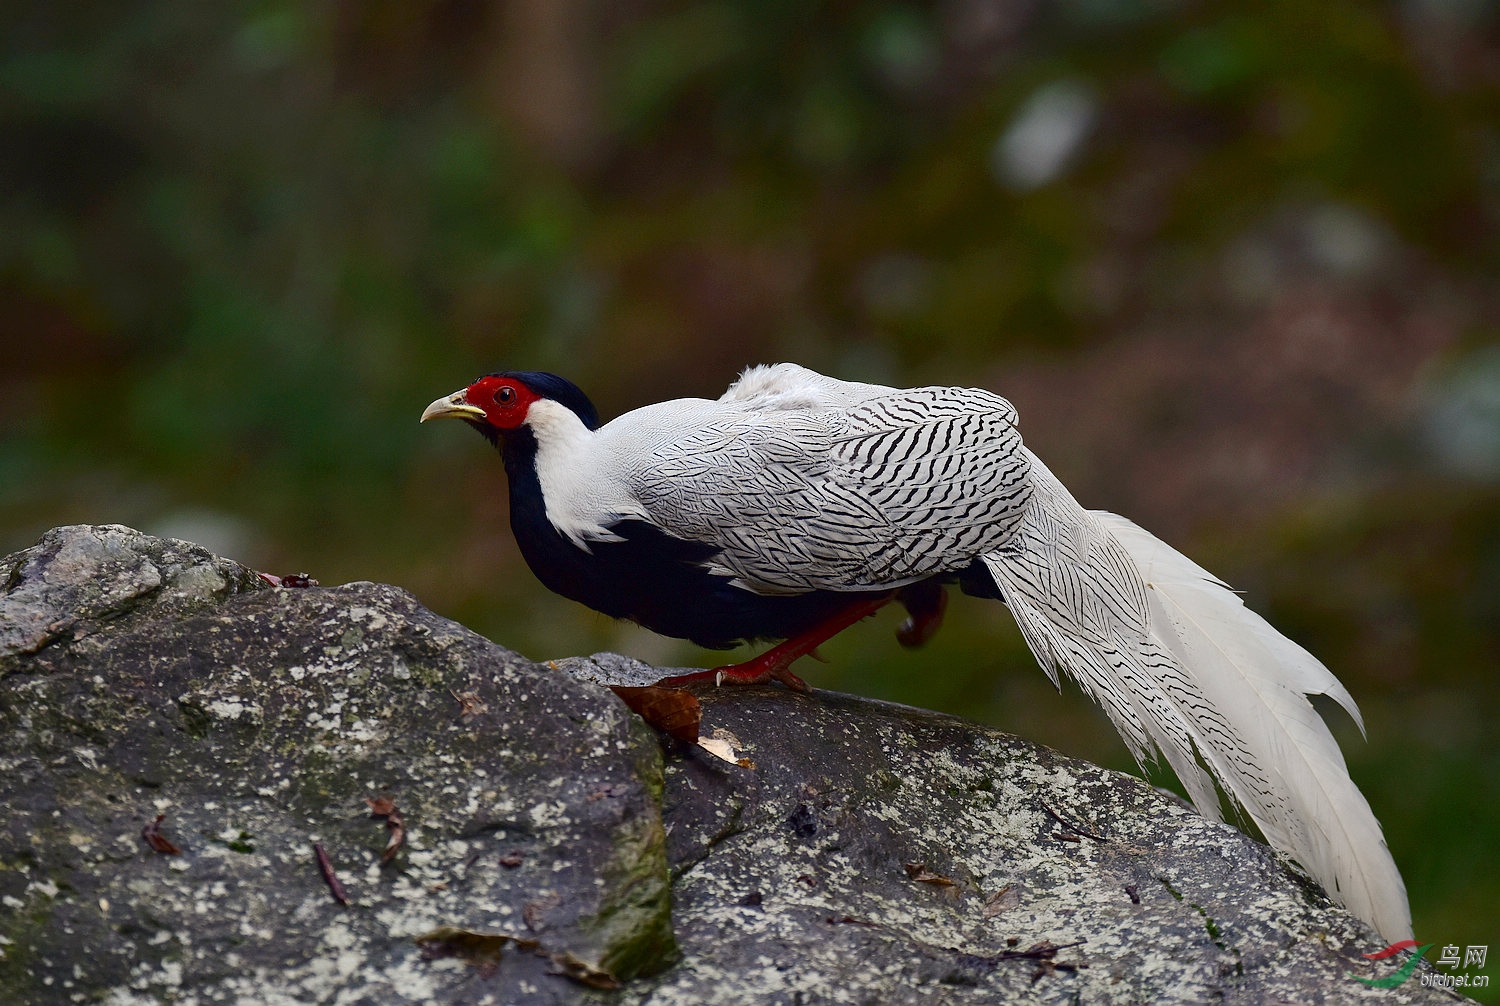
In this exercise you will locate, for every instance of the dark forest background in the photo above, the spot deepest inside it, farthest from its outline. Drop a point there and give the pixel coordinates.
(1235, 263)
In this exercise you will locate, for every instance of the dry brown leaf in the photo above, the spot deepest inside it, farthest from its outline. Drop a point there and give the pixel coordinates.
(534, 913)
(154, 838)
(384, 806)
(483, 950)
(1002, 901)
(920, 873)
(583, 973)
(469, 703)
(674, 711)
(480, 949)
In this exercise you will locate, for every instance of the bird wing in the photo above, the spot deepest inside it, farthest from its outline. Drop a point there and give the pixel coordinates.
(798, 496)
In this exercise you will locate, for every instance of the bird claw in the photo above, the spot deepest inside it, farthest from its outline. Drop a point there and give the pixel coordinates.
(786, 677)
(906, 632)
(925, 604)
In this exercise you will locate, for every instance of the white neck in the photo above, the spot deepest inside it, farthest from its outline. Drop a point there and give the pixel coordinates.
(577, 493)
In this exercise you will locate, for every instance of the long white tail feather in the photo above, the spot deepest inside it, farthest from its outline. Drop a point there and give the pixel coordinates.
(1178, 663)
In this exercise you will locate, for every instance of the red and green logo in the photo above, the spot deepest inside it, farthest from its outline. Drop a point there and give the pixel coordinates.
(1404, 972)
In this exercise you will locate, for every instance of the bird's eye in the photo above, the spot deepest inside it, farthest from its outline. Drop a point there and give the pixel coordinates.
(505, 395)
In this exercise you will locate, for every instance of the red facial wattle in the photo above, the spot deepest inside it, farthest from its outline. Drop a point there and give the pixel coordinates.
(504, 400)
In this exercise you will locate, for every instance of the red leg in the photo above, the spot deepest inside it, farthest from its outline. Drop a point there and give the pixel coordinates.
(774, 663)
(925, 603)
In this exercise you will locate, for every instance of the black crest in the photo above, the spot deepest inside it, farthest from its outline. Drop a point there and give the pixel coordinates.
(559, 390)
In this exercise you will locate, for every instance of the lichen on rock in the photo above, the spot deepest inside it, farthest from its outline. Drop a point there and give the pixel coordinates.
(549, 851)
(146, 677)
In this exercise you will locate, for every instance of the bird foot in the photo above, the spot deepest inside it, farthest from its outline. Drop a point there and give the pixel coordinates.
(754, 671)
(925, 603)
(774, 664)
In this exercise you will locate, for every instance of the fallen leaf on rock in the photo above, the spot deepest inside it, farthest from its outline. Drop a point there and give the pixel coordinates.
(483, 950)
(726, 746)
(850, 920)
(1001, 901)
(920, 873)
(585, 974)
(154, 838)
(469, 703)
(673, 711)
(720, 749)
(533, 913)
(384, 806)
(479, 949)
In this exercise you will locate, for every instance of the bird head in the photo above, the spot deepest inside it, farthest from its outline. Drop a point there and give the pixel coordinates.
(497, 404)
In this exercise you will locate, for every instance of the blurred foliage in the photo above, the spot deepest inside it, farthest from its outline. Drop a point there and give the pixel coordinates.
(1233, 261)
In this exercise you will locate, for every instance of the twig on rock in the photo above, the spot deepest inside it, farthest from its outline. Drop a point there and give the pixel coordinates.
(1072, 831)
(334, 884)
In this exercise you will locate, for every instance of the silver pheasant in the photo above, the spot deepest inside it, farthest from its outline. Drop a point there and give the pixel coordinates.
(796, 504)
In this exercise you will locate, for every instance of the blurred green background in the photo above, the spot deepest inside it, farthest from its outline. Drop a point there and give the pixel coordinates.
(1235, 263)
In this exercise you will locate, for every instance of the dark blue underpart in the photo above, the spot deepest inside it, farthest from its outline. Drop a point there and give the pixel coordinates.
(659, 581)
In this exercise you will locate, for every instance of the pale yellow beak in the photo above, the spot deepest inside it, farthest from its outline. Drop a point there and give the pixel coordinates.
(454, 406)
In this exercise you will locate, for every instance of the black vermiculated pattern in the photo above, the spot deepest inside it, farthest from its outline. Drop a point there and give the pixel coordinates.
(892, 490)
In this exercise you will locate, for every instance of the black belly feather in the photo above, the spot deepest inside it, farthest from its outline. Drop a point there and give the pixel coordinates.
(662, 583)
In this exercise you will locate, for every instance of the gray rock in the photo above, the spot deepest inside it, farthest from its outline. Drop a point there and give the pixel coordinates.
(258, 721)
(864, 852)
(877, 853)
(77, 579)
